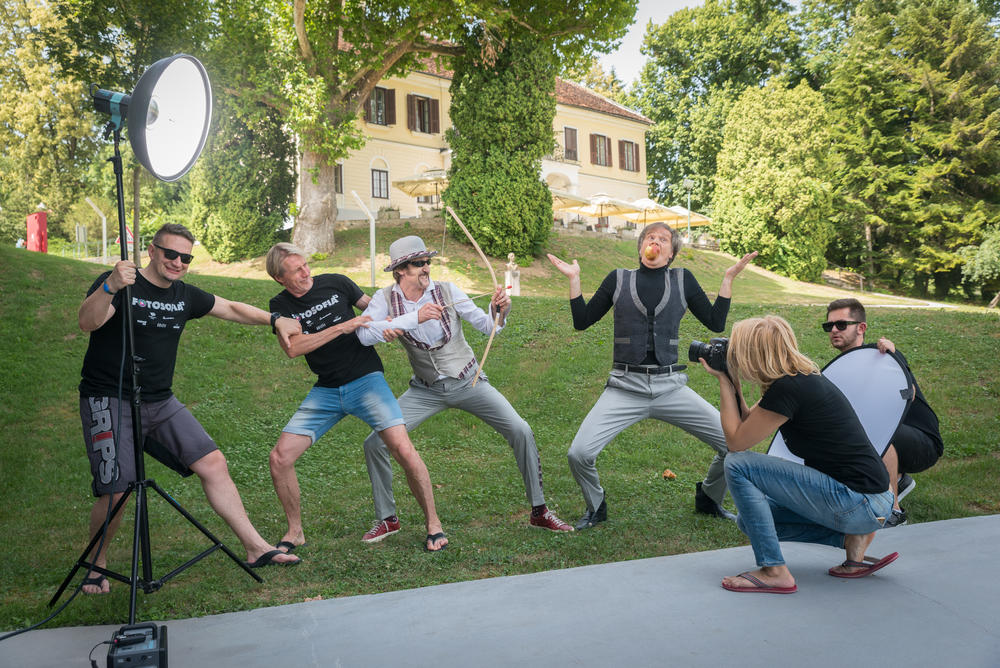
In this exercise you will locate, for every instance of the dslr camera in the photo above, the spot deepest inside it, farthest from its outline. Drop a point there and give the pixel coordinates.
(714, 353)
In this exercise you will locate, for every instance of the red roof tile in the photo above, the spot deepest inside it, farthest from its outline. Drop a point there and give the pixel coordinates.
(567, 92)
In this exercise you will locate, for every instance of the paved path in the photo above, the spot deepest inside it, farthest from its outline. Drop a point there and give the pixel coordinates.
(938, 605)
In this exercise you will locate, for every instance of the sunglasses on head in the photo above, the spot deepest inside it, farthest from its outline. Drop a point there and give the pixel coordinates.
(419, 263)
(171, 254)
(841, 325)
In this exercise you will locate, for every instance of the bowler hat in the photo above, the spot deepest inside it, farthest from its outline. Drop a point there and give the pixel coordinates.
(403, 250)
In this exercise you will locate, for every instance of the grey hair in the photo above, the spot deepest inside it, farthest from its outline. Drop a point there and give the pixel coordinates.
(276, 257)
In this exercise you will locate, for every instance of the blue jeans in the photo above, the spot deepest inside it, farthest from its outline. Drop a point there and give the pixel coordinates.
(782, 500)
(368, 398)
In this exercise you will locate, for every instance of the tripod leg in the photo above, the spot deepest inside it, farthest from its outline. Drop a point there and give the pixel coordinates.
(190, 518)
(83, 560)
(140, 543)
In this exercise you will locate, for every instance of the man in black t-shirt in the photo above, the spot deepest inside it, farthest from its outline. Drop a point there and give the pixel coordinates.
(646, 380)
(161, 305)
(916, 445)
(350, 382)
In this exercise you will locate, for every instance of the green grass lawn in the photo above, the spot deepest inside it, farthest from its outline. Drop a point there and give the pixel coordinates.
(243, 390)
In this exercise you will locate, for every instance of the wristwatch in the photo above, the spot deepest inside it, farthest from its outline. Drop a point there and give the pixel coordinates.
(274, 319)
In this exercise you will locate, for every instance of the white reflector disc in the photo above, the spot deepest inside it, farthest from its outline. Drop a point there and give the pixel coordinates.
(876, 386)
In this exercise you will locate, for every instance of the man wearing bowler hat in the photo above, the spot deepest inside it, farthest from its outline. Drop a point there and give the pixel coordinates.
(350, 382)
(427, 319)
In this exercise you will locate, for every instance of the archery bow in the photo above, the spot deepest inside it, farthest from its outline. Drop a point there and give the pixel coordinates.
(496, 321)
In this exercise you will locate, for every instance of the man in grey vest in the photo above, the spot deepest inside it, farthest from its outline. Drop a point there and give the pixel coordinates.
(646, 381)
(427, 319)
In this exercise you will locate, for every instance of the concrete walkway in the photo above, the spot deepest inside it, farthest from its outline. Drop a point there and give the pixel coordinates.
(938, 605)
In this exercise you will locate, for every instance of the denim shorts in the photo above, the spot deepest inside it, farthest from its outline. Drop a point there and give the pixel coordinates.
(368, 398)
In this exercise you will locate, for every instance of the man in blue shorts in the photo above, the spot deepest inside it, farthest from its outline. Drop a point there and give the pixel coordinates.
(161, 305)
(350, 382)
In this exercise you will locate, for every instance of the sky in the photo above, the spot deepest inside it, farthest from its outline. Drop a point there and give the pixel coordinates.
(627, 60)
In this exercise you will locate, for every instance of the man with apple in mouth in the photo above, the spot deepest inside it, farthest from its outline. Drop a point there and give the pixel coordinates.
(646, 381)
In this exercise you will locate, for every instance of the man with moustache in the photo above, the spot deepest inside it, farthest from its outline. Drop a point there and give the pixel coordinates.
(427, 315)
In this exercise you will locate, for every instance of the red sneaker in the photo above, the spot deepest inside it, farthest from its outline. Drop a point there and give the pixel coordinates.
(381, 529)
(548, 520)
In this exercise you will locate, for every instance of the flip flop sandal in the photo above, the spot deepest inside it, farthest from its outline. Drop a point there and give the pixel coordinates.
(866, 568)
(433, 539)
(759, 586)
(267, 559)
(97, 582)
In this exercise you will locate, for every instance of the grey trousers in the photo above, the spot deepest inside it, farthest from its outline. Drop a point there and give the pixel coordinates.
(631, 397)
(422, 401)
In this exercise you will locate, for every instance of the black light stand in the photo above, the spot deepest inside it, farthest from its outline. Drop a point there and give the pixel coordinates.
(115, 104)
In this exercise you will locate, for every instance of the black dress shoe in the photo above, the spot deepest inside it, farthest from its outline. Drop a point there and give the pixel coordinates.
(592, 517)
(703, 503)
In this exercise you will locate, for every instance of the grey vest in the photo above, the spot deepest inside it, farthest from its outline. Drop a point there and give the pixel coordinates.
(453, 357)
(634, 333)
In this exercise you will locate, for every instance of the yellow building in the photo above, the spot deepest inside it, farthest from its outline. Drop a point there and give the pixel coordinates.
(600, 148)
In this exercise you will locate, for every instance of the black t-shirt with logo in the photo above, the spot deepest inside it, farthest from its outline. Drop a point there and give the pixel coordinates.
(824, 430)
(330, 301)
(158, 317)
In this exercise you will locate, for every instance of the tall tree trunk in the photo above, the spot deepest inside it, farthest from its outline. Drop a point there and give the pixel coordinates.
(313, 231)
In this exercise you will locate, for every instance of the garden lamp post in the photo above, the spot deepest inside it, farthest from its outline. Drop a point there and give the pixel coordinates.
(688, 185)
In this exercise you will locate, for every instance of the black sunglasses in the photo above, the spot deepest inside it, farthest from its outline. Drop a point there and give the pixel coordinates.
(419, 263)
(841, 325)
(171, 254)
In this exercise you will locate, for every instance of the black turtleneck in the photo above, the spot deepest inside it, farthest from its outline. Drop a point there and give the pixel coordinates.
(649, 284)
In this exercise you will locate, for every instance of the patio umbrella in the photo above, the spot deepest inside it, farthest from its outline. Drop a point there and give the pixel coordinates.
(562, 200)
(601, 205)
(652, 212)
(428, 184)
(688, 218)
(696, 218)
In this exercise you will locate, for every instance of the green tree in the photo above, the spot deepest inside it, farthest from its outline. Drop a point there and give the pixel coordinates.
(111, 43)
(242, 187)
(588, 72)
(502, 114)
(917, 108)
(771, 191)
(700, 60)
(45, 137)
(317, 63)
(982, 266)
(825, 28)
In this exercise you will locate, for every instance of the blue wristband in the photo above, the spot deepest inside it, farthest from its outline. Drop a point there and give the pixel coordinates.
(107, 289)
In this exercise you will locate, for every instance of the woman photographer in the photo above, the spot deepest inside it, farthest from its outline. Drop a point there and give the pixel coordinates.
(840, 497)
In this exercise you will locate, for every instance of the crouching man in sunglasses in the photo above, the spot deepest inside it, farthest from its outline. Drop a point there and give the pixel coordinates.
(161, 306)
(916, 445)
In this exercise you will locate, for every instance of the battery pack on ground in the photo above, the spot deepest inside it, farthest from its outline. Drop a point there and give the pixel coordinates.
(139, 646)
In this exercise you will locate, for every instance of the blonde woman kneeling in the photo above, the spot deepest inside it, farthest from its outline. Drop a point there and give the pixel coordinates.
(840, 497)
